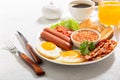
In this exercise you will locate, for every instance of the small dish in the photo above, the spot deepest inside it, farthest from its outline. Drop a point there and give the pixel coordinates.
(51, 11)
(85, 34)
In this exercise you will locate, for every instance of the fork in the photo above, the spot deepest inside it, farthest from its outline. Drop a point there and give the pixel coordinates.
(12, 48)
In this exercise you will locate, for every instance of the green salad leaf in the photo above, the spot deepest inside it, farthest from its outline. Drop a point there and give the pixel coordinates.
(69, 23)
(86, 47)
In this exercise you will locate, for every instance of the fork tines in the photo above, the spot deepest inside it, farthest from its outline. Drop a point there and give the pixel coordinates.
(10, 46)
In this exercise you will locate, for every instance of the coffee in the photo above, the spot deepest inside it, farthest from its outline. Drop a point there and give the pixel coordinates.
(81, 9)
(81, 5)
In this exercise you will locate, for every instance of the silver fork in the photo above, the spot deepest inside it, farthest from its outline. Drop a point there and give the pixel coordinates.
(12, 48)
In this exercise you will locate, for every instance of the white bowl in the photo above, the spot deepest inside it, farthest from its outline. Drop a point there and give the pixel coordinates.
(77, 43)
(81, 14)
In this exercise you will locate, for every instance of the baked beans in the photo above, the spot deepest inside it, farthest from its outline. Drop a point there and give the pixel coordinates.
(85, 35)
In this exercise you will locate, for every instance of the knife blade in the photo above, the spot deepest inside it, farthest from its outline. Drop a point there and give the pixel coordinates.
(30, 49)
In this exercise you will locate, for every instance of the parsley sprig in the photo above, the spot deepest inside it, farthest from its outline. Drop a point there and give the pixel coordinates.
(86, 47)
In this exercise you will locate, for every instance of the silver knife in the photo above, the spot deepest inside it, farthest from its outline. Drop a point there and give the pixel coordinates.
(30, 49)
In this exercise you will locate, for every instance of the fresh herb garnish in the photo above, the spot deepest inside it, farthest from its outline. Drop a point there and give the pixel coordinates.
(69, 23)
(86, 47)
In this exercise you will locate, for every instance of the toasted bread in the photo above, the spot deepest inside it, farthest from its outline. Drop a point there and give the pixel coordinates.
(89, 24)
(106, 32)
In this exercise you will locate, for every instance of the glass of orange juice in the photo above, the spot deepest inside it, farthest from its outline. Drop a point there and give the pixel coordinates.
(109, 14)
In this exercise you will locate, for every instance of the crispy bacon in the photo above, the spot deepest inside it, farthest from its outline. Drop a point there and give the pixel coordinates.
(103, 48)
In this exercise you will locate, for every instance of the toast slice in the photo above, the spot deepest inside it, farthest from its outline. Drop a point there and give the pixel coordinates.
(89, 24)
(106, 32)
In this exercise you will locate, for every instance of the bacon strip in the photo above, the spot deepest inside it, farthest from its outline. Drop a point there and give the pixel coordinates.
(104, 48)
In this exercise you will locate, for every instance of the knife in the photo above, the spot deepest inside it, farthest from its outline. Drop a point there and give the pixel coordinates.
(30, 49)
(38, 70)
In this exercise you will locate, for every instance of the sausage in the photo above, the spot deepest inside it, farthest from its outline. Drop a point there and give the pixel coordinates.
(60, 35)
(58, 41)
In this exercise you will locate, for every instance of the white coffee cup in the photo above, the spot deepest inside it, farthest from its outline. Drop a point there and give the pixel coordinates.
(81, 14)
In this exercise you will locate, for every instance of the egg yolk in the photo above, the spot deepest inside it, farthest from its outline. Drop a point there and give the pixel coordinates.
(48, 45)
(71, 53)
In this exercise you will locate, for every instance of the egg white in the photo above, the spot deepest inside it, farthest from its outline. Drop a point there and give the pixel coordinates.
(52, 54)
(68, 59)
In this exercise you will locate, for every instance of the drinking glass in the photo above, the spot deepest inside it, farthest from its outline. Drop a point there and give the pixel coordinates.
(109, 14)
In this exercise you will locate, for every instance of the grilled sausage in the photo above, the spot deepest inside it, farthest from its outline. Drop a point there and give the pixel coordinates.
(58, 41)
(58, 34)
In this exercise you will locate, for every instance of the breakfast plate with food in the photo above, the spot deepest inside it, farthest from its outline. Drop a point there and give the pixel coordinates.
(71, 43)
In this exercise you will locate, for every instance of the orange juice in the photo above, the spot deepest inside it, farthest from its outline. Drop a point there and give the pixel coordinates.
(109, 13)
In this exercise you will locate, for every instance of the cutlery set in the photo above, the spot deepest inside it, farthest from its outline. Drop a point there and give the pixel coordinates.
(30, 49)
(33, 64)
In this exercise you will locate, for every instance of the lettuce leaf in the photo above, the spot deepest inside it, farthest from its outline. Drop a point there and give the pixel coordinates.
(69, 23)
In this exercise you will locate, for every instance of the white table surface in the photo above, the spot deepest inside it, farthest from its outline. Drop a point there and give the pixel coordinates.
(25, 16)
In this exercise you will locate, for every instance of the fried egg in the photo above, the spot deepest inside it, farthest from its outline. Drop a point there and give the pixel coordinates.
(48, 50)
(71, 56)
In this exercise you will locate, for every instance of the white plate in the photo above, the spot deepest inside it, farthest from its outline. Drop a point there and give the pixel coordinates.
(37, 41)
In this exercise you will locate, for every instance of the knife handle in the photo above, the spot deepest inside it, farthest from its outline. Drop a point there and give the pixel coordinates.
(33, 54)
(38, 70)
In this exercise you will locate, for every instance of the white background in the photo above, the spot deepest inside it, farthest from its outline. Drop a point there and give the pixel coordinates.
(26, 16)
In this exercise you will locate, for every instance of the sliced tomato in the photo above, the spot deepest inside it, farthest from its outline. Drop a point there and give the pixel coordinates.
(63, 30)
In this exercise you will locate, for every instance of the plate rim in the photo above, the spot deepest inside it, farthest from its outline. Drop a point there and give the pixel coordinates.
(70, 64)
